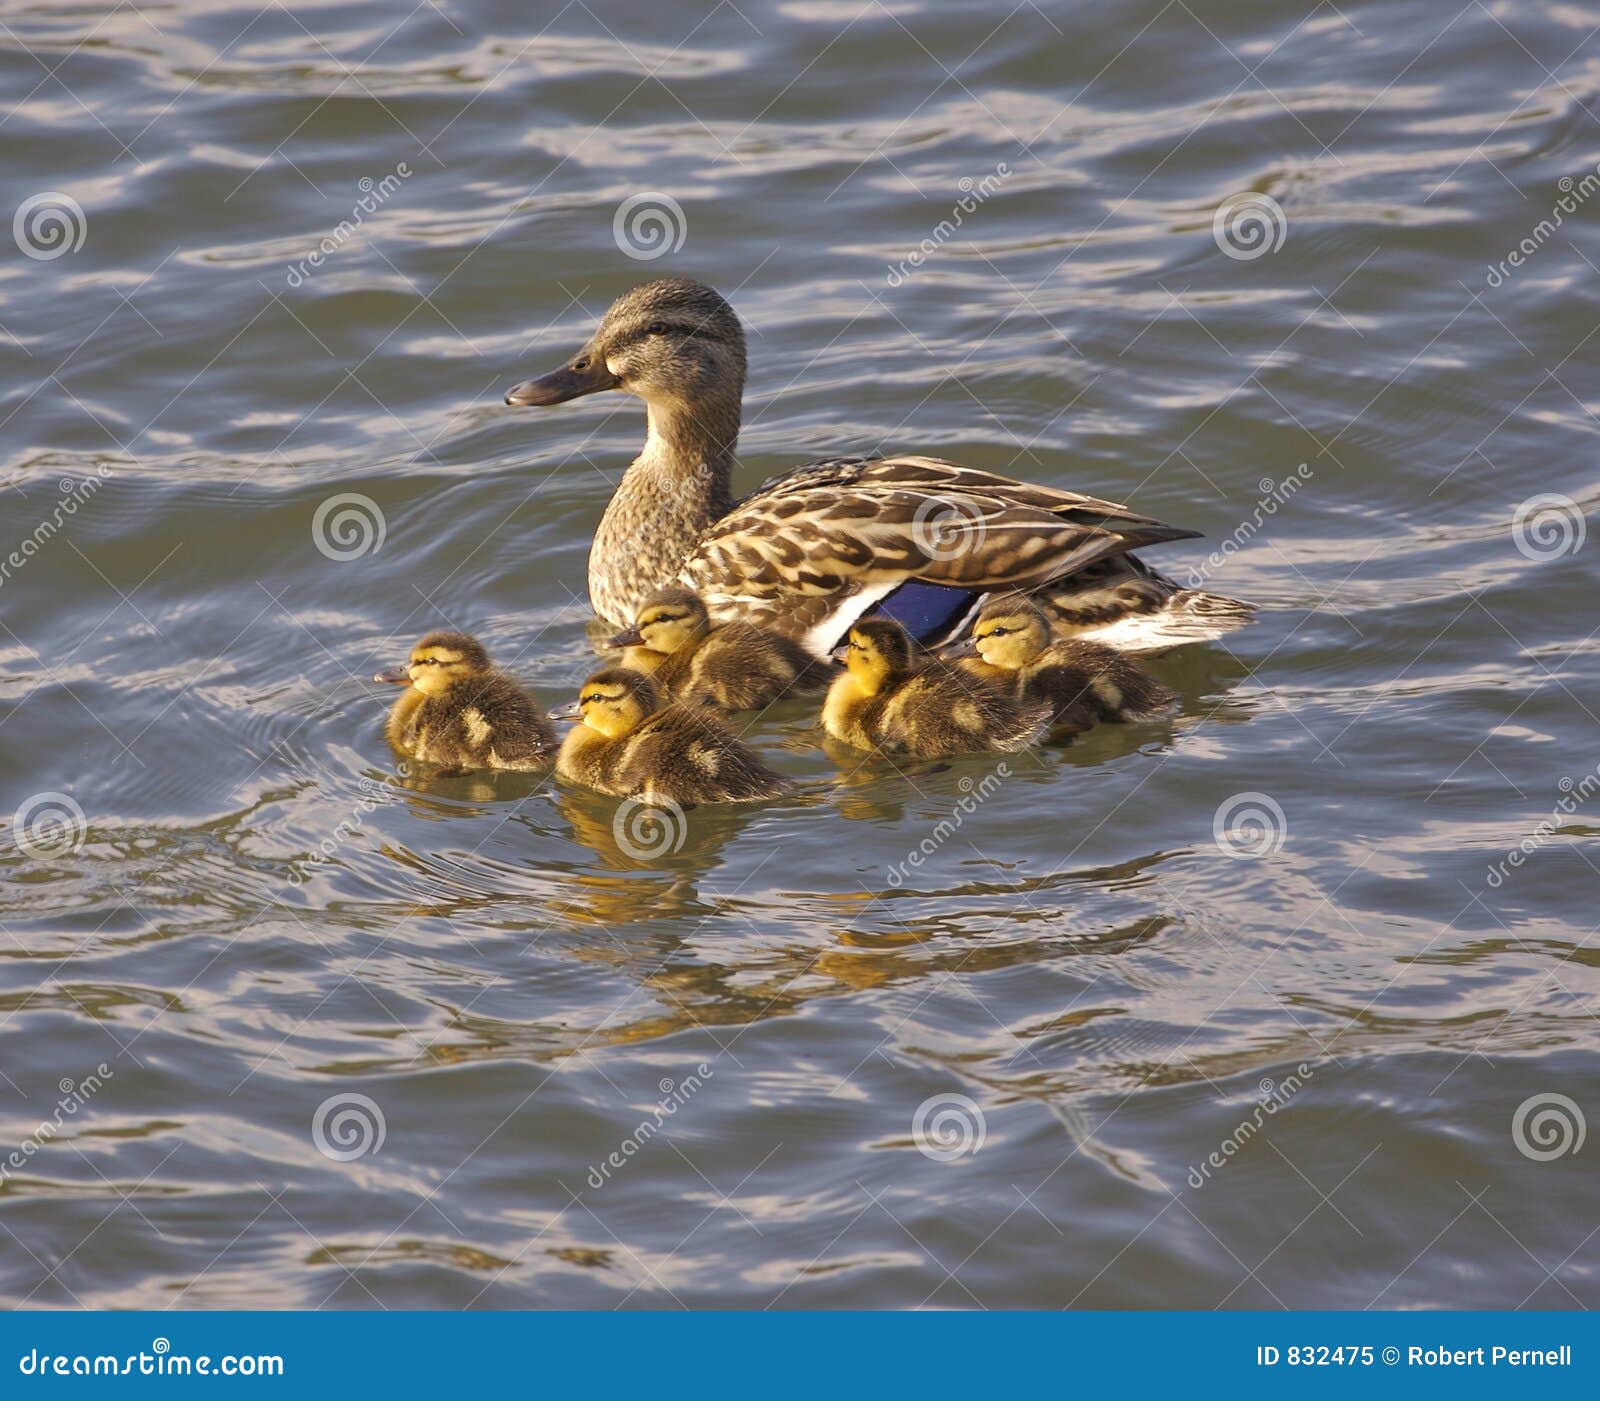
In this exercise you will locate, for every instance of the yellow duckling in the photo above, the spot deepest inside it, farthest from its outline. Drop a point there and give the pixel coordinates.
(737, 666)
(886, 700)
(1082, 682)
(457, 711)
(632, 741)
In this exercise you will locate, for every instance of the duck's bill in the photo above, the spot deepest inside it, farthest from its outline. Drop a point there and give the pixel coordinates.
(965, 648)
(394, 676)
(567, 712)
(558, 386)
(628, 637)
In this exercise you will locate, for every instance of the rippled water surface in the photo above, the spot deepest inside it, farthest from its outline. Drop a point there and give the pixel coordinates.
(1249, 1007)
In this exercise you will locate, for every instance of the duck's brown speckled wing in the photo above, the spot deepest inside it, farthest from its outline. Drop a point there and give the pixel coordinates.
(795, 553)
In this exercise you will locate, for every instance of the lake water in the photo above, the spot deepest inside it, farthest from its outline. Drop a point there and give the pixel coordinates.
(1288, 1000)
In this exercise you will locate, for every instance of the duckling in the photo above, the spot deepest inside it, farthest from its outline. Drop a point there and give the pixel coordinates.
(459, 712)
(886, 700)
(737, 666)
(633, 741)
(1081, 681)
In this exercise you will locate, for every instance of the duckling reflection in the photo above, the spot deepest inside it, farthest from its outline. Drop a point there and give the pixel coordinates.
(666, 852)
(772, 959)
(451, 794)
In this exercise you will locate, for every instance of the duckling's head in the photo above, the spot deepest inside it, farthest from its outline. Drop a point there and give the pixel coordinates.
(669, 620)
(441, 660)
(1009, 633)
(672, 342)
(877, 652)
(616, 701)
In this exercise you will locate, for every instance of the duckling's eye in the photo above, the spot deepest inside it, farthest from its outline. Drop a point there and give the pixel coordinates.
(656, 328)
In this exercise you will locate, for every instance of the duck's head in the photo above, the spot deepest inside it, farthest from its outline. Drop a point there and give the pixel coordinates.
(669, 620)
(1009, 633)
(877, 651)
(616, 701)
(441, 660)
(672, 342)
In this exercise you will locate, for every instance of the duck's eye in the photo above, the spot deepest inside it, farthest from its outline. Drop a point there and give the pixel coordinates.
(656, 328)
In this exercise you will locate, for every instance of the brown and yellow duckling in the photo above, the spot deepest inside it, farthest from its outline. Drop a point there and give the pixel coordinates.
(1082, 682)
(889, 700)
(459, 712)
(632, 741)
(737, 666)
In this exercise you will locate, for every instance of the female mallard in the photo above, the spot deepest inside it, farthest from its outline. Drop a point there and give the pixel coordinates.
(919, 540)
(736, 666)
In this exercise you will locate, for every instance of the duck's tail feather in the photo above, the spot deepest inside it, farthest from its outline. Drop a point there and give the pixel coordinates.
(1189, 615)
(1124, 603)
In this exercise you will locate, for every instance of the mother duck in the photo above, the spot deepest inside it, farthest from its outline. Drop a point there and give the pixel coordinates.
(915, 538)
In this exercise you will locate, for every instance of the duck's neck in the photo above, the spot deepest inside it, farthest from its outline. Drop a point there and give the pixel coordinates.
(675, 488)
